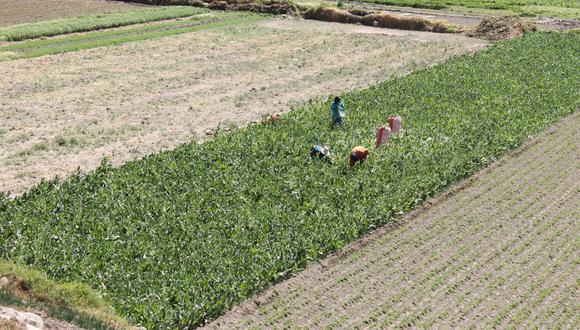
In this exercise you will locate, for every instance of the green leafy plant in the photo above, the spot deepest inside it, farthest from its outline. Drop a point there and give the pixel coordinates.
(176, 238)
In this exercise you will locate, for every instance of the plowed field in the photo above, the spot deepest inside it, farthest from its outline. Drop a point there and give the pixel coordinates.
(498, 251)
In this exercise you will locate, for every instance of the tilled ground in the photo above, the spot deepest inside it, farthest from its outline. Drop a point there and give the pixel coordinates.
(27, 11)
(65, 111)
(499, 251)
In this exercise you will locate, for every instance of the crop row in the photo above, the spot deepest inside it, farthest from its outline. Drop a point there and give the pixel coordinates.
(176, 238)
(76, 42)
(95, 22)
(507, 245)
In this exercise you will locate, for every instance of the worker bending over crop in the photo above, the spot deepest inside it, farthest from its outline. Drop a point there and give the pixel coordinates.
(358, 154)
(319, 151)
(337, 108)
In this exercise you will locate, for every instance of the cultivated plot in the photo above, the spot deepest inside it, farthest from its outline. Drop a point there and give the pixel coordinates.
(66, 111)
(500, 251)
(24, 11)
(177, 238)
(550, 8)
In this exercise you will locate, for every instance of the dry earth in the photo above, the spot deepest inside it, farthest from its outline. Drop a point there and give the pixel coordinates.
(499, 251)
(26, 11)
(465, 20)
(65, 111)
(11, 323)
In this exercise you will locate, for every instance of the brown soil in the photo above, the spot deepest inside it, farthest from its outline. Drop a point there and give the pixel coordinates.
(499, 28)
(49, 323)
(26, 11)
(500, 250)
(453, 18)
(65, 111)
(466, 21)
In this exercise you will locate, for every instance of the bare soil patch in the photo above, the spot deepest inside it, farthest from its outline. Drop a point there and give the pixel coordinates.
(385, 20)
(26, 11)
(499, 28)
(500, 250)
(66, 111)
(465, 20)
(453, 18)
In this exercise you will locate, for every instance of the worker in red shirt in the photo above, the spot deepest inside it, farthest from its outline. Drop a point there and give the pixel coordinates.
(358, 154)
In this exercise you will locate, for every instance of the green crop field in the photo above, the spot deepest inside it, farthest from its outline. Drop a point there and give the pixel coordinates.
(94, 22)
(177, 238)
(497, 251)
(555, 8)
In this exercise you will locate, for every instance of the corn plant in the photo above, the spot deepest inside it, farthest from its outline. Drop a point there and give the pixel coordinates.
(176, 238)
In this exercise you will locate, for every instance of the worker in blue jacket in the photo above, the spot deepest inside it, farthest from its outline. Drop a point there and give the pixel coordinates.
(337, 108)
(319, 151)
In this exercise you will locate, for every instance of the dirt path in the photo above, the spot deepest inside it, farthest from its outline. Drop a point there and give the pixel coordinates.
(454, 18)
(65, 111)
(500, 250)
(467, 20)
(27, 11)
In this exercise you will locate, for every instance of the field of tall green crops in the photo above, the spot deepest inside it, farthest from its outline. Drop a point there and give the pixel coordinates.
(95, 22)
(178, 237)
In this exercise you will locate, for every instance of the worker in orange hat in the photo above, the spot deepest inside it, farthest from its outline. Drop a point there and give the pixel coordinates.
(358, 154)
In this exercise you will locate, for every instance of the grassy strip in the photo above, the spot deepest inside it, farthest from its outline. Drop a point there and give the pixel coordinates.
(56, 312)
(73, 43)
(176, 238)
(553, 8)
(81, 37)
(95, 22)
(72, 302)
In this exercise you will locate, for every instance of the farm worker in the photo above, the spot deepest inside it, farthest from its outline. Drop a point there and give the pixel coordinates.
(337, 108)
(319, 151)
(267, 119)
(358, 154)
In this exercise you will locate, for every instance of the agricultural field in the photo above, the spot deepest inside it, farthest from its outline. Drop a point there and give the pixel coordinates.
(65, 43)
(500, 250)
(26, 11)
(70, 110)
(94, 22)
(553, 8)
(175, 239)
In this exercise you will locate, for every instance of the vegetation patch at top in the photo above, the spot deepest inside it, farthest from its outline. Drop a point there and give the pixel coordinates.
(176, 238)
(95, 22)
(554, 8)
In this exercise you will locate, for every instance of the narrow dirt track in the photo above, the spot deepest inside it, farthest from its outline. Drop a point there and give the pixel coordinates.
(500, 250)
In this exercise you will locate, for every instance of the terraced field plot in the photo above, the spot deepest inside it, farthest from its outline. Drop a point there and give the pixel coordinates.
(64, 111)
(177, 238)
(200, 19)
(24, 11)
(95, 22)
(499, 251)
(551, 8)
